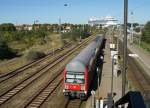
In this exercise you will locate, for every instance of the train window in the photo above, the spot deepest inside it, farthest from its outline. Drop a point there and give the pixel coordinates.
(80, 81)
(70, 76)
(68, 80)
(75, 78)
(75, 73)
(80, 76)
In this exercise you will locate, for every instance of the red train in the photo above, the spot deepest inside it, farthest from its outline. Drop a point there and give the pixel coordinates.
(79, 72)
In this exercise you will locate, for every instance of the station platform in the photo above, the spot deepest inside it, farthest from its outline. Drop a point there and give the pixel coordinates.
(105, 84)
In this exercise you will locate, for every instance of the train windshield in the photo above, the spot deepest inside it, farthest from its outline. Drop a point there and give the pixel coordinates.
(75, 77)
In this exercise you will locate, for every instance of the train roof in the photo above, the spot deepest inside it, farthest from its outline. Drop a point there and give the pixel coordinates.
(86, 54)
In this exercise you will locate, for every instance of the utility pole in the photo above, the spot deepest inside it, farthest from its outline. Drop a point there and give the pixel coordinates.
(80, 35)
(125, 47)
(131, 29)
(59, 25)
(140, 37)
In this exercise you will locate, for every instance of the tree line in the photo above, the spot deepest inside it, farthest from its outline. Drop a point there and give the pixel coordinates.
(38, 35)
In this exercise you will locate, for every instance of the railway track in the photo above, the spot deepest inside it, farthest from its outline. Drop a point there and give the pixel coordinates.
(18, 78)
(75, 103)
(11, 74)
(22, 84)
(45, 92)
(26, 82)
(138, 72)
(141, 78)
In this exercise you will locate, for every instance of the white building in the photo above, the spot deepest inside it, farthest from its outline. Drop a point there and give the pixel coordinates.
(104, 22)
(24, 27)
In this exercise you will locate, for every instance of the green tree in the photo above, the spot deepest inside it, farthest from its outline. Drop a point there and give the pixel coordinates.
(7, 27)
(146, 33)
(5, 51)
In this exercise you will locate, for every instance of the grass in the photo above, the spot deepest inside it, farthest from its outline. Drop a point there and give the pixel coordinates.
(9, 65)
(19, 46)
(53, 42)
(145, 46)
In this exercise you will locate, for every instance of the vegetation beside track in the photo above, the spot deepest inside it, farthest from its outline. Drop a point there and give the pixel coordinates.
(12, 64)
(45, 77)
(19, 42)
(143, 40)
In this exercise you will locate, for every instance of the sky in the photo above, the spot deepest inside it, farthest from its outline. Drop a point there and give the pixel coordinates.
(76, 11)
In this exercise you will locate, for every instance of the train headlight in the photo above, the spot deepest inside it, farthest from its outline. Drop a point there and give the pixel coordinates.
(66, 87)
(85, 92)
(82, 87)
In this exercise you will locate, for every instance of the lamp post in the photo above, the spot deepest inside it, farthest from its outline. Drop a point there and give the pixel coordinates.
(80, 36)
(60, 26)
(140, 37)
(60, 21)
(125, 47)
(131, 39)
(53, 48)
(81, 31)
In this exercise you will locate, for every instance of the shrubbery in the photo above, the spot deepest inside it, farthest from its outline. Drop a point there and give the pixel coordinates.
(9, 34)
(23, 39)
(5, 51)
(34, 55)
(146, 33)
(75, 34)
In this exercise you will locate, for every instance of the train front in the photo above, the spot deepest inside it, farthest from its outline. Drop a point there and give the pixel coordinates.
(75, 80)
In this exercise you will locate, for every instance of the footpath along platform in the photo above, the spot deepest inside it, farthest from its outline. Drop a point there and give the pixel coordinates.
(105, 85)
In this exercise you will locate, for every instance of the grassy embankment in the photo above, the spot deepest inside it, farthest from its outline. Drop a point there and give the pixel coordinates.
(145, 46)
(53, 41)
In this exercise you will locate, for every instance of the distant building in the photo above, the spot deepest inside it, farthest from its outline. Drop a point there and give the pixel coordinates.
(24, 27)
(66, 29)
(104, 22)
(19, 27)
(28, 27)
(36, 26)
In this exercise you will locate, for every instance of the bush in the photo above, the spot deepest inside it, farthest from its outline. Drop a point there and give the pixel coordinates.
(145, 46)
(146, 33)
(64, 42)
(5, 51)
(34, 55)
(75, 34)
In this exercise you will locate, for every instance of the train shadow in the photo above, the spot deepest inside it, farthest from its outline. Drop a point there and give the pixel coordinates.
(97, 78)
